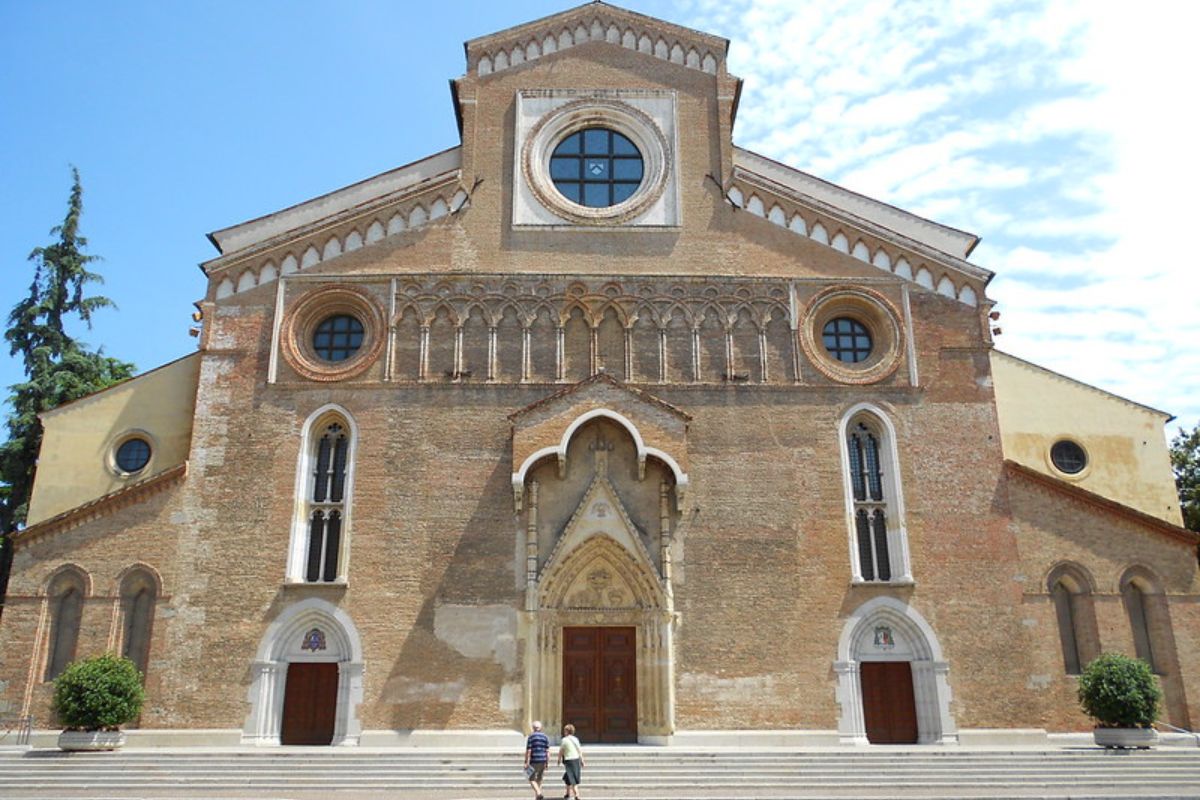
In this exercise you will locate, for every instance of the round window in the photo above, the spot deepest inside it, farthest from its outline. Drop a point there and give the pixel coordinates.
(338, 337)
(596, 167)
(133, 455)
(847, 340)
(1068, 457)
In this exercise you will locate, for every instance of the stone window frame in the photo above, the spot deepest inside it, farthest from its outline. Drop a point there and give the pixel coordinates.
(62, 643)
(1149, 618)
(1071, 590)
(1069, 476)
(139, 590)
(305, 506)
(597, 112)
(874, 312)
(114, 444)
(878, 423)
(311, 310)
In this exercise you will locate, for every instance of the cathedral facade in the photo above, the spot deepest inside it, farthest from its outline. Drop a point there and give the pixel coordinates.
(600, 418)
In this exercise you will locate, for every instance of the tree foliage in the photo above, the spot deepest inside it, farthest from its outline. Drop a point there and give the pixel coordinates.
(58, 368)
(98, 694)
(1185, 461)
(1120, 692)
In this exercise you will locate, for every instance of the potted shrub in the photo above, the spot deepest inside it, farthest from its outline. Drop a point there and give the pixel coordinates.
(93, 698)
(1122, 695)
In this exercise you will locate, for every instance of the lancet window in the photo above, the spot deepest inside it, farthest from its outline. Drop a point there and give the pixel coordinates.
(879, 549)
(320, 532)
(1070, 591)
(139, 592)
(66, 593)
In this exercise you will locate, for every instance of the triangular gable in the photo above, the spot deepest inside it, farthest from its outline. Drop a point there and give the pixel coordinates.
(600, 560)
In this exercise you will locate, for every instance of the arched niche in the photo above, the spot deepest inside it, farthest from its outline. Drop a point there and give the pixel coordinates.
(886, 629)
(311, 630)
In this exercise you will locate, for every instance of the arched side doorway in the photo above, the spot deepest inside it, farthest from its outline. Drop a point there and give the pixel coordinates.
(307, 679)
(892, 679)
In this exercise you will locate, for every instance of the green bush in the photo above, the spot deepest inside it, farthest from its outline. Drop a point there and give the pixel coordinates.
(98, 694)
(1119, 692)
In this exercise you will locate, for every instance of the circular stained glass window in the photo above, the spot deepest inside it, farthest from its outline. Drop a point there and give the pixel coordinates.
(847, 340)
(1068, 457)
(596, 167)
(338, 337)
(133, 455)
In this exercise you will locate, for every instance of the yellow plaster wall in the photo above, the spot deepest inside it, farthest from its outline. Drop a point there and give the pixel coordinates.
(75, 463)
(1126, 447)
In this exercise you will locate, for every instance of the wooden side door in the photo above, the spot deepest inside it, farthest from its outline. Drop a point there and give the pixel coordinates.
(600, 683)
(309, 704)
(889, 709)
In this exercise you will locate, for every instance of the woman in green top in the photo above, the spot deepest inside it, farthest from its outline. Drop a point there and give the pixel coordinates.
(570, 755)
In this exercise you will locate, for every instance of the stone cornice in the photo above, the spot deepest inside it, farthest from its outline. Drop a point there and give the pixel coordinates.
(842, 229)
(596, 22)
(1111, 507)
(104, 505)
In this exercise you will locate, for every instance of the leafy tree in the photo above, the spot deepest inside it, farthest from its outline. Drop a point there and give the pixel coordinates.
(58, 368)
(1185, 460)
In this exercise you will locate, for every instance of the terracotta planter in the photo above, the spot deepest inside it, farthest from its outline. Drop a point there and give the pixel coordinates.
(1139, 738)
(91, 740)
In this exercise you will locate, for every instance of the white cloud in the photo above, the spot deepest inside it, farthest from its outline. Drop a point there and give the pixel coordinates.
(1058, 130)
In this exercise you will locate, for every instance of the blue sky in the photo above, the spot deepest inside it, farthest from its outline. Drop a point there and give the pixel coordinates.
(1057, 131)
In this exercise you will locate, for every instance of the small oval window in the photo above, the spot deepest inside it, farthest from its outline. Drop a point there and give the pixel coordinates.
(847, 340)
(1068, 457)
(133, 455)
(338, 337)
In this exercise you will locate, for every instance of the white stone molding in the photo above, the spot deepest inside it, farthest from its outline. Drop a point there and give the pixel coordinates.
(318, 419)
(824, 229)
(893, 492)
(610, 26)
(603, 543)
(913, 641)
(545, 117)
(559, 451)
(281, 645)
(307, 252)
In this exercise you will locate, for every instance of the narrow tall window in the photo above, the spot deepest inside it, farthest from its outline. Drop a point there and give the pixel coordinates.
(870, 503)
(326, 504)
(138, 596)
(1139, 623)
(1064, 610)
(66, 613)
(1070, 591)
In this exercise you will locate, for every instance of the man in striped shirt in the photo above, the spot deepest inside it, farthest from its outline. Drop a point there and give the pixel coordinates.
(537, 755)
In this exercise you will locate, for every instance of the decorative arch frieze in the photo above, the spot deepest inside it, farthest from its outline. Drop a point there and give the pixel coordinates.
(824, 229)
(316, 248)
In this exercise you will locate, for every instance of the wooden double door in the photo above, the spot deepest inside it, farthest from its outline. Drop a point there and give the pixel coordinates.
(889, 708)
(309, 703)
(600, 683)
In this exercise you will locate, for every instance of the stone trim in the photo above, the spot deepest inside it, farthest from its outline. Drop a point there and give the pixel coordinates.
(105, 505)
(1112, 507)
(308, 312)
(871, 309)
(657, 158)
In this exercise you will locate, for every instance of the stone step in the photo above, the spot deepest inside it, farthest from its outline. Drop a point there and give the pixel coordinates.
(611, 773)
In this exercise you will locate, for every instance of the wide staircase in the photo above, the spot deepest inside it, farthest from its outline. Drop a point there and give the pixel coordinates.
(611, 772)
